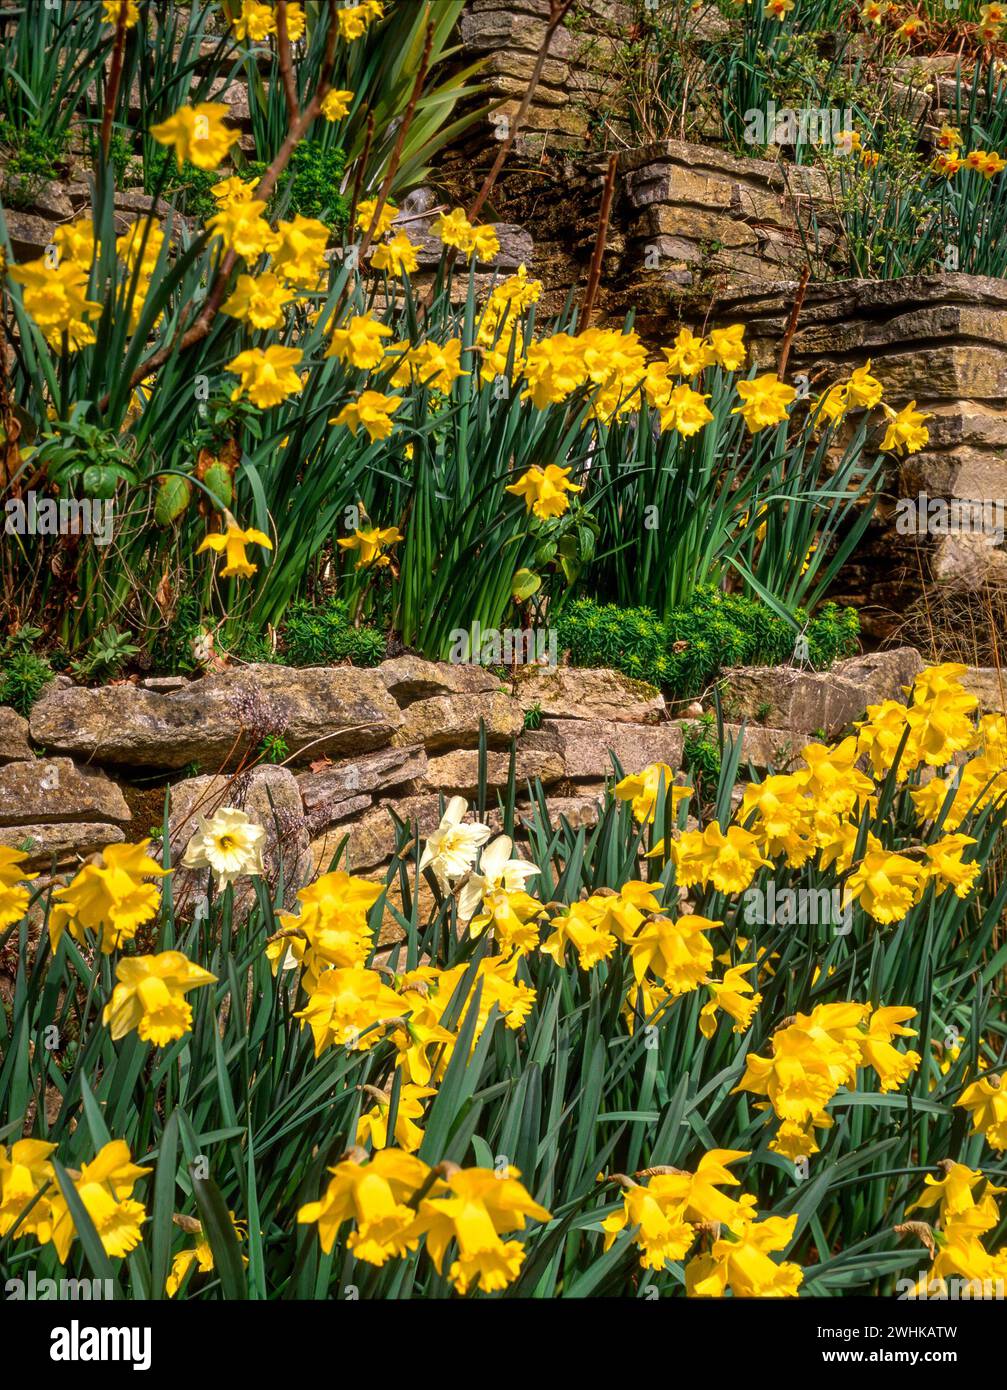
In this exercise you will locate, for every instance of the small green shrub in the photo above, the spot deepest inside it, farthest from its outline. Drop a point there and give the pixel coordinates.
(23, 674)
(310, 184)
(172, 653)
(30, 158)
(321, 634)
(189, 187)
(701, 752)
(105, 658)
(274, 749)
(683, 653)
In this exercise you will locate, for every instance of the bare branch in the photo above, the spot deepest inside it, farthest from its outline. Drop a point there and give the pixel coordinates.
(795, 314)
(594, 275)
(400, 140)
(557, 13)
(114, 79)
(286, 66)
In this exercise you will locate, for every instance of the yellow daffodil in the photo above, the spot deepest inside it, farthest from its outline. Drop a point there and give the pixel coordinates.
(346, 1005)
(686, 411)
(396, 257)
(258, 300)
(676, 952)
(197, 134)
(986, 1102)
(359, 342)
(298, 250)
(55, 296)
(255, 21)
(709, 856)
(242, 228)
(886, 885)
(13, 897)
(110, 898)
(371, 542)
(201, 1254)
(366, 209)
(150, 997)
(232, 542)
(764, 402)
(641, 790)
(353, 21)
(24, 1171)
(104, 1186)
(544, 490)
(372, 1127)
(474, 1207)
(336, 104)
(112, 12)
(374, 1194)
(267, 375)
(735, 995)
(906, 431)
(371, 411)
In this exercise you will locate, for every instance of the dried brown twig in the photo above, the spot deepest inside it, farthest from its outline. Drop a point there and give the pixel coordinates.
(114, 79)
(795, 314)
(594, 275)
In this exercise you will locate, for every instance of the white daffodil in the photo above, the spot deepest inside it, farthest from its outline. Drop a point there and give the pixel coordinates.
(498, 872)
(451, 849)
(228, 843)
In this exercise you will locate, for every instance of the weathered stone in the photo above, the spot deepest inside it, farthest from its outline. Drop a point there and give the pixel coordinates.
(164, 685)
(573, 692)
(452, 721)
(29, 235)
(216, 720)
(339, 809)
(142, 204)
(54, 789)
(49, 199)
(373, 838)
(990, 686)
(235, 96)
(457, 773)
(331, 788)
(968, 561)
(61, 842)
(79, 195)
(764, 748)
(804, 702)
(745, 216)
(411, 678)
(697, 226)
(584, 809)
(269, 796)
(585, 744)
(13, 735)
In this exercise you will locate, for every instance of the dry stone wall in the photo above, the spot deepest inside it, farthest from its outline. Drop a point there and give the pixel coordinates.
(940, 340)
(373, 752)
(579, 87)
